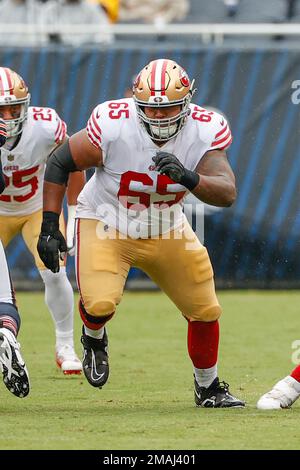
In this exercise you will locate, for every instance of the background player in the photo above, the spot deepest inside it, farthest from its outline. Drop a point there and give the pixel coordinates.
(12, 365)
(283, 394)
(148, 152)
(32, 134)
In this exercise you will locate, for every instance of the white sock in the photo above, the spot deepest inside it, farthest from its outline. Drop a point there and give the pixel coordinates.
(294, 383)
(97, 334)
(205, 377)
(59, 299)
(64, 338)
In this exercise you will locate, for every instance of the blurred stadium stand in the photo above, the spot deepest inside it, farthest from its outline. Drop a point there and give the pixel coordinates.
(256, 242)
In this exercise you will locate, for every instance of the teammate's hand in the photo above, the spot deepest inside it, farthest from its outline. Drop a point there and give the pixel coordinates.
(3, 134)
(51, 245)
(167, 164)
(71, 230)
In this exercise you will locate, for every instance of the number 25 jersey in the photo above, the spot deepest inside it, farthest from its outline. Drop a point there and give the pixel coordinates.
(24, 166)
(127, 192)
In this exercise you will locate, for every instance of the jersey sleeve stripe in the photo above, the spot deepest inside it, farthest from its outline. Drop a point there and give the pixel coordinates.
(60, 136)
(95, 125)
(64, 131)
(58, 129)
(93, 131)
(220, 141)
(225, 144)
(218, 135)
(92, 140)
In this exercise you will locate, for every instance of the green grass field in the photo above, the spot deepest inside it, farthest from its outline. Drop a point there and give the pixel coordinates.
(148, 400)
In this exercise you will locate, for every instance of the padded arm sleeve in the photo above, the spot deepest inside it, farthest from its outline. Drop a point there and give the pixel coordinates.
(60, 164)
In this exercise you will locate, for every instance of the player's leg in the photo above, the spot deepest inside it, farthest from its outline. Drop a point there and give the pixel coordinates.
(283, 394)
(12, 365)
(101, 269)
(59, 299)
(184, 272)
(9, 228)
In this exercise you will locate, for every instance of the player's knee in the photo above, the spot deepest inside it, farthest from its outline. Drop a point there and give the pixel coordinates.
(206, 314)
(100, 308)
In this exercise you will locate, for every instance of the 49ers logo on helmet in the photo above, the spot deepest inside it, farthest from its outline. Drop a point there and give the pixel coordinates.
(184, 78)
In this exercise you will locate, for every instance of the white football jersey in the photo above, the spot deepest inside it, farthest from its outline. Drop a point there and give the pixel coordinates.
(127, 193)
(24, 166)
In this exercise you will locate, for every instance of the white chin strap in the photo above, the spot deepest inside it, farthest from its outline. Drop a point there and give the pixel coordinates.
(164, 132)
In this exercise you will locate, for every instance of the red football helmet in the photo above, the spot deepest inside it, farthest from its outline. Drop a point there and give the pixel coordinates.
(163, 83)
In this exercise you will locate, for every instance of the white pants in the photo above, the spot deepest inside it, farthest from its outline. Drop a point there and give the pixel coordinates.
(6, 287)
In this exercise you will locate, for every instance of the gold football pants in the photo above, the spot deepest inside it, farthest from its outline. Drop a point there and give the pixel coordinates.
(29, 226)
(179, 265)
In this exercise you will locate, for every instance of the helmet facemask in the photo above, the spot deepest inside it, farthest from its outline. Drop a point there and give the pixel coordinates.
(15, 126)
(164, 129)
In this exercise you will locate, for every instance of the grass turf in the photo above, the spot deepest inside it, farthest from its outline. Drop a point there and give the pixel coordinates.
(148, 400)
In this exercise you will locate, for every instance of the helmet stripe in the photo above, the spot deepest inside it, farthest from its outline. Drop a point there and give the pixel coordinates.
(10, 85)
(5, 82)
(158, 77)
(153, 72)
(163, 77)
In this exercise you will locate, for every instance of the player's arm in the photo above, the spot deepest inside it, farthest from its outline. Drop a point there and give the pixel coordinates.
(212, 181)
(3, 137)
(75, 154)
(216, 185)
(75, 185)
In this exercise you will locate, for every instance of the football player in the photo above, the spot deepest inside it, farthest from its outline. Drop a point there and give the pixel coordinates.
(283, 394)
(12, 365)
(33, 133)
(149, 151)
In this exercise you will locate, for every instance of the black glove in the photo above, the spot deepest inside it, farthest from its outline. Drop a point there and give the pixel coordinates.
(167, 164)
(3, 135)
(51, 242)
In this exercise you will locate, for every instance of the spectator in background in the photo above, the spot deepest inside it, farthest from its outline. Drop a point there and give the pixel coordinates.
(20, 12)
(231, 6)
(293, 10)
(256, 11)
(74, 12)
(110, 7)
(153, 11)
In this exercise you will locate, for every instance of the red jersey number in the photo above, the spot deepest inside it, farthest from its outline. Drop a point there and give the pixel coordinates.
(118, 109)
(19, 179)
(43, 114)
(200, 114)
(143, 199)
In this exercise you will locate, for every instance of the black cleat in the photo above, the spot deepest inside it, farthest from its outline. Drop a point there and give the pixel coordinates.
(12, 366)
(95, 359)
(216, 396)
